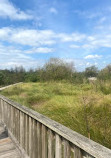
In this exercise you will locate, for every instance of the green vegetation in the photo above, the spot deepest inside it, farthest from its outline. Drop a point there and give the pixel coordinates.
(54, 70)
(85, 108)
(58, 91)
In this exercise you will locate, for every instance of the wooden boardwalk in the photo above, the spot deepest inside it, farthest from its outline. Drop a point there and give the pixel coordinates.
(7, 147)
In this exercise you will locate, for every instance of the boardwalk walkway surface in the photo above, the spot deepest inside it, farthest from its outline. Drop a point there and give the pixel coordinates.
(7, 147)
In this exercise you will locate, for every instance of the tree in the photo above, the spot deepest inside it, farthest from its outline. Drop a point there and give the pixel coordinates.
(105, 74)
(57, 69)
(91, 71)
(2, 77)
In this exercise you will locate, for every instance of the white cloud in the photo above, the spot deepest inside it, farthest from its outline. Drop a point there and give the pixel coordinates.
(93, 57)
(25, 63)
(102, 42)
(102, 19)
(88, 64)
(74, 46)
(91, 38)
(7, 9)
(33, 37)
(88, 14)
(44, 38)
(10, 56)
(28, 37)
(40, 50)
(53, 10)
(4, 33)
(97, 41)
(43, 41)
(74, 37)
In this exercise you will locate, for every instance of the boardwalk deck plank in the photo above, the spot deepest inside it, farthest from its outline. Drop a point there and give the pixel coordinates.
(7, 147)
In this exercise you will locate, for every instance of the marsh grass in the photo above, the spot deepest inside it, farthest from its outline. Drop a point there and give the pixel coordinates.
(63, 102)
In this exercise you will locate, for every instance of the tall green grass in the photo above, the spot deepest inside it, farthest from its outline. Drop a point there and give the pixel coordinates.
(84, 108)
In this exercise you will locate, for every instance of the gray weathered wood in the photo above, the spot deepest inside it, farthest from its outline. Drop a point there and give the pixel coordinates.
(66, 149)
(50, 144)
(21, 129)
(27, 134)
(44, 142)
(58, 151)
(77, 153)
(39, 149)
(7, 147)
(30, 137)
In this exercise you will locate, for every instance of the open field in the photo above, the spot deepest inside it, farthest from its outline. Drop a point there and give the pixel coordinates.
(85, 108)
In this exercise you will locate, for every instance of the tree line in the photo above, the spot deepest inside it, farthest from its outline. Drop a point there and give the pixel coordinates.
(54, 70)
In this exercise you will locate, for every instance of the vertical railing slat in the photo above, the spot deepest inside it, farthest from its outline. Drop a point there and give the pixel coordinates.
(50, 144)
(66, 149)
(22, 129)
(11, 119)
(39, 148)
(35, 142)
(44, 142)
(27, 134)
(58, 146)
(30, 137)
(33, 137)
(77, 152)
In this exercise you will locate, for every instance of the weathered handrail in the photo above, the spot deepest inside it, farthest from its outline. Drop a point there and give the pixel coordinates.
(42, 137)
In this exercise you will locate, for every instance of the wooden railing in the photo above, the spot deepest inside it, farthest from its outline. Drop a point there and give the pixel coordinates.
(41, 137)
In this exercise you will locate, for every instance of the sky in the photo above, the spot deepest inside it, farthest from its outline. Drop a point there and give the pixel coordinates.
(33, 31)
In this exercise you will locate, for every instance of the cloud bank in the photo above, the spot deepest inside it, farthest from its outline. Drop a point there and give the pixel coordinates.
(8, 10)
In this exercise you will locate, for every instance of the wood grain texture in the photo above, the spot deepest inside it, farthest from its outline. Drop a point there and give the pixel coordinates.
(58, 151)
(44, 142)
(66, 149)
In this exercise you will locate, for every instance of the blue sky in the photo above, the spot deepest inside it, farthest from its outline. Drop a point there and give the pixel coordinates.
(32, 31)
